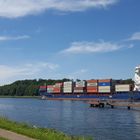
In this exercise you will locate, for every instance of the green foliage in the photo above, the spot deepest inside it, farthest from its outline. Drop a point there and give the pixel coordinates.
(1, 138)
(37, 133)
(26, 87)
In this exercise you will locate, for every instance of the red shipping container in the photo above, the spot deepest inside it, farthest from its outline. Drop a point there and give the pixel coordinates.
(92, 91)
(50, 86)
(92, 88)
(43, 87)
(56, 92)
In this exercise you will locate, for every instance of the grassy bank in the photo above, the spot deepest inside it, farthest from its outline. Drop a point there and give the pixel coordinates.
(1, 138)
(37, 133)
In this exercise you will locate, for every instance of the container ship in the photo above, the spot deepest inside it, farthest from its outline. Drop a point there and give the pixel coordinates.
(93, 89)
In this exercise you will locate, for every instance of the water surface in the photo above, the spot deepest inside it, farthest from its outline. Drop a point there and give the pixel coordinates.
(74, 117)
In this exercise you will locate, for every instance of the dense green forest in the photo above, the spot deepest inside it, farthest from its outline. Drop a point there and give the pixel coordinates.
(26, 87)
(31, 87)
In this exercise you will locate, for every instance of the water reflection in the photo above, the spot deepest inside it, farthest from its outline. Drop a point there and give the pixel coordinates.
(75, 118)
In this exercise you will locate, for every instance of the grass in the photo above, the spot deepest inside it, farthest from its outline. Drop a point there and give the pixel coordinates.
(1, 138)
(37, 133)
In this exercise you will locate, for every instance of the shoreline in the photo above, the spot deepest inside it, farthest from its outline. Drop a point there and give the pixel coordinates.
(33, 97)
(36, 132)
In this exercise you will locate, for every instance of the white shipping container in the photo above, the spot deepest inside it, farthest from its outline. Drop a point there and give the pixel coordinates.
(70, 90)
(67, 91)
(78, 91)
(58, 85)
(104, 91)
(67, 86)
(122, 87)
(104, 87)
(122, 90)
(92, 84)
(80, 84)
(49, 89)
(68, 83)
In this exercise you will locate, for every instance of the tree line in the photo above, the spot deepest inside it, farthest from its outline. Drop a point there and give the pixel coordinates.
(31, 87)
(26, 87)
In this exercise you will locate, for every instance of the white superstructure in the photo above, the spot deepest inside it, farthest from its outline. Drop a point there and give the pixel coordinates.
(137, 79)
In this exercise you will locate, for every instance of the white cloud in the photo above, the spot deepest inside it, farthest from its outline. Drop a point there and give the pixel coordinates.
(94, 47)
(12, 73)
(135, 36)
(7, 38)
(20, 8)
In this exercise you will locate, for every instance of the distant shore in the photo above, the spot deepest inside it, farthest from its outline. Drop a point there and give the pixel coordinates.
(36, 97)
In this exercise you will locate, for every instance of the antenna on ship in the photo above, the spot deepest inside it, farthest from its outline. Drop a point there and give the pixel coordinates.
(137, 79)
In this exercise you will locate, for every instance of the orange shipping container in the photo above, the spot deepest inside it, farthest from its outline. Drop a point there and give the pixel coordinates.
(92, 91)
(92, 84)
(104, 80)
(92, 88)
(56, 90)
(92, 81)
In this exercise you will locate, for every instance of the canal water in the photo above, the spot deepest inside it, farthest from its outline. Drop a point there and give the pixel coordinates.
(74, 117)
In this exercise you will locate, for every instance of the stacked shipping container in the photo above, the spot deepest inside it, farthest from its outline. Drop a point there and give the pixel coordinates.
(123, 87)
(105, 86)
(89, 87)
(68, 87)
(92, 86)
(80, 87)
(50, 88)
(58, 88)
(43, 88)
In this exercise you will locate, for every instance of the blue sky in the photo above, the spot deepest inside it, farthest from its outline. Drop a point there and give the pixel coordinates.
(84, 39)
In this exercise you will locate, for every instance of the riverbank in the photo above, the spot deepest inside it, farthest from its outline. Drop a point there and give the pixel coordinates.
(1, 138)
(36, 97)
(34, 132)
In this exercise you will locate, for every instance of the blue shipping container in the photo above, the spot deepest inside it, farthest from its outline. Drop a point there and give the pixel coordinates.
(104, 84)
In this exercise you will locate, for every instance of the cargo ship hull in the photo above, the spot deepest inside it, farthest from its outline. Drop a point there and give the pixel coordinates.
(115, 96)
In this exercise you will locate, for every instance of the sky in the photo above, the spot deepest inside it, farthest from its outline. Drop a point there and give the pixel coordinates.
(76, 39)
